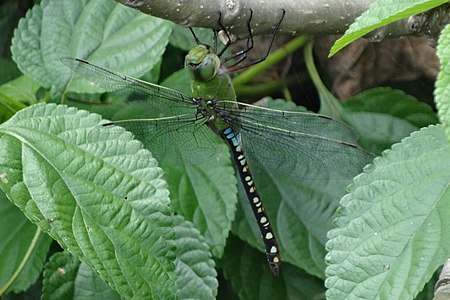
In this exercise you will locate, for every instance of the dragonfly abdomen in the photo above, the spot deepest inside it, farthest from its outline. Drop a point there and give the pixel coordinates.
(270, 243)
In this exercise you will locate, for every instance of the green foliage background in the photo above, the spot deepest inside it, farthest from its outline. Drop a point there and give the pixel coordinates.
(131, 225)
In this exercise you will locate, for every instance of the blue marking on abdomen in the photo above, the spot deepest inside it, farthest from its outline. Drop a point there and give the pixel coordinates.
(232, 136)
(227, 131)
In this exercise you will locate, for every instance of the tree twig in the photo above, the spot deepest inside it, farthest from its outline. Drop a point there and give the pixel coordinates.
(302, 16)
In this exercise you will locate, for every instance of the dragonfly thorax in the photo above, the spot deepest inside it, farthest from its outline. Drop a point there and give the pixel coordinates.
(207, 109)
(204, 107)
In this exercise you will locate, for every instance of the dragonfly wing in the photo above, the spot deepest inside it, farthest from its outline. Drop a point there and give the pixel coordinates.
(292, 121)
(171, 140)
(300, 154)
(168, 101)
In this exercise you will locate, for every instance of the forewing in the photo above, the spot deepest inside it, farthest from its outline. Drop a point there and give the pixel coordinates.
(167, 101)
(292, 121)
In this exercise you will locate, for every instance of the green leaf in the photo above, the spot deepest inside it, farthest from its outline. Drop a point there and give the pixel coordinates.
(250, 276)
(102, 31)
(103, 200)
(379, 131)
(65, 277)
(8, 106)
(392, 102)
(206, 194)
(182, 37)
(22, 89)
(180, 80)
(15, 94)
(442, 91)
(23, 249)
(329, 104)
(195, 267)
(428, 292)
(59, 276)
(89, 286)
(383, 116)
(392, 229)
(381, 13)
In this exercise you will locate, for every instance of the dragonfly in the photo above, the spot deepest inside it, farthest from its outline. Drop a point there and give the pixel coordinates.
(287, 144)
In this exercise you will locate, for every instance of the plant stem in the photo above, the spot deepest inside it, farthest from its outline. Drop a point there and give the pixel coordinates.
(271, 60)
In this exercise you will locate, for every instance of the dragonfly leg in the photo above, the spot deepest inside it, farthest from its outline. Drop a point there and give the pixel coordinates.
(215, 40)
(243, 53)
(234, 67)
(195, 36)
(229, 40)
(215, 44)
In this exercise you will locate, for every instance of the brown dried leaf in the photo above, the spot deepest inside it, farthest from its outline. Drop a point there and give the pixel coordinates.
(362, 64)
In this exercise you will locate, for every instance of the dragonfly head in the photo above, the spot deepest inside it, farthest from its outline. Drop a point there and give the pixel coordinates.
(202, 63)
